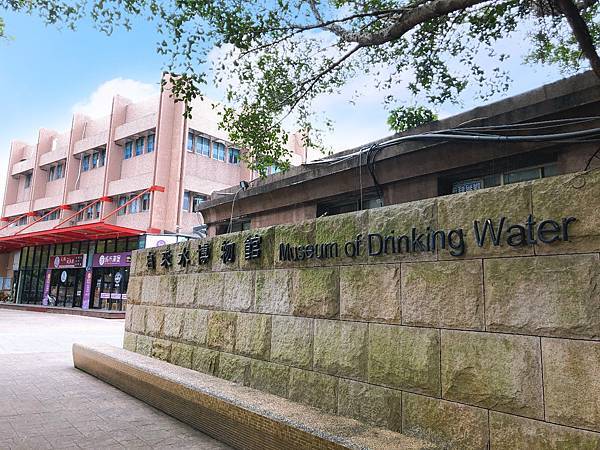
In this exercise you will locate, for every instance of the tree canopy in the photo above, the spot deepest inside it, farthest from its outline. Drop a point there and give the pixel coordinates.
(276, 57)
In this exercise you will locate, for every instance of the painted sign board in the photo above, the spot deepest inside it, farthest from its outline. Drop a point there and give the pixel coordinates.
(122, 259)
(67, 261)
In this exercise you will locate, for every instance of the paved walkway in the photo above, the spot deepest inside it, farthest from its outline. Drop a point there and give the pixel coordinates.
(45, 403)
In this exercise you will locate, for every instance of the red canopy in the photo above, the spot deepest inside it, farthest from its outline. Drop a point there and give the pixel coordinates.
(85, 232)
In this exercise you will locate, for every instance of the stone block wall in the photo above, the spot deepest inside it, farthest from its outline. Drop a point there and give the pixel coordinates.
(498, 347)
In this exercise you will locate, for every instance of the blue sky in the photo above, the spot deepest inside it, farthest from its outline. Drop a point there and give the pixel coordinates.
(46, 74)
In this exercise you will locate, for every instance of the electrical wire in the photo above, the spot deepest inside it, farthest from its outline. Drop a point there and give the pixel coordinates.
(458, 135)
(475, 134)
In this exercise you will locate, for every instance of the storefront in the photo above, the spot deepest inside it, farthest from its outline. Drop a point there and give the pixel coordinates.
(63, 282)
(109, 280)
(88, 274)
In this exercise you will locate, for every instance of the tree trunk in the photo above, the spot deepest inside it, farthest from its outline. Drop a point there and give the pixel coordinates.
(581, 33)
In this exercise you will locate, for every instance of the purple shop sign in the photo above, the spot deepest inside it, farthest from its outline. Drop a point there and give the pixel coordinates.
(47, 279)
(87, 289)
(122, 259)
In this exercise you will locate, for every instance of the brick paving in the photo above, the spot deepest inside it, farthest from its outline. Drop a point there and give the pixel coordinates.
(45, 403)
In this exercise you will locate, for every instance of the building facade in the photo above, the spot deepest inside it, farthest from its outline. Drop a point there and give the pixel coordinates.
(406, 171)
(77, 203)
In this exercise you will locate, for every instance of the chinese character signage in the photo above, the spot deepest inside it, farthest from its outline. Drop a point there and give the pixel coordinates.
(226, 252)
(67, 261)
(112, 259)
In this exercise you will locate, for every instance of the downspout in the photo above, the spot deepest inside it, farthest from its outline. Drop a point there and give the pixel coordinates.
(156, 150)
(181, 167)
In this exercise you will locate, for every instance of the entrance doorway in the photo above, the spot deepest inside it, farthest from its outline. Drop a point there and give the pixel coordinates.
(109, 285)
(66, 286)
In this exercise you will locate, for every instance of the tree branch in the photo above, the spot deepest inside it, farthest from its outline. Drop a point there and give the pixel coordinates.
(581, 33)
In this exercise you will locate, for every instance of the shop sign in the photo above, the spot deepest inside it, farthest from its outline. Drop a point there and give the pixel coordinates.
(67, 261)
(47, 280)
(63, 276)
(122, 259)
(87, 289)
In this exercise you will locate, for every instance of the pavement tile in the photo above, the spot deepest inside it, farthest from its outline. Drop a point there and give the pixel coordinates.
(45, 403)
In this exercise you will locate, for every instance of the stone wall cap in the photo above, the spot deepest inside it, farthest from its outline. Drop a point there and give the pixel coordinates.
(340, 430)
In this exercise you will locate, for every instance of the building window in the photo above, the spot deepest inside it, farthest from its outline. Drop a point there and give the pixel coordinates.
(95, 158)
(498, 179)
(51, 216)
(134, 206)
(190, 142)
(273, 169)
(22, 221)
(85, 163)
(128, 153)
(150, 144)
(186, 201)
(56, 172)
(234, 155)
(93, 212)
(122, 201)
(198, 199)
(27, 180)
(145, 203)
(102, 157)
(202, 146)
(219, 151)
(139, 146)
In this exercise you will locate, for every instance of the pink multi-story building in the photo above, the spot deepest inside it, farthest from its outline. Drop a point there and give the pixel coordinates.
(77, 203)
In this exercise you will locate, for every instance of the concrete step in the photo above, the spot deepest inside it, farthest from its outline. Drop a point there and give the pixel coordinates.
(100, 313)
(239, 416)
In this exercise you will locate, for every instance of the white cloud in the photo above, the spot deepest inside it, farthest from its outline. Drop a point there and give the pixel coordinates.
(99, 102)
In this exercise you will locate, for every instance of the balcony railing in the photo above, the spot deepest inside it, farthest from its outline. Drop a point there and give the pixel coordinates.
(136, 127)
(91, 142)
(22, 166)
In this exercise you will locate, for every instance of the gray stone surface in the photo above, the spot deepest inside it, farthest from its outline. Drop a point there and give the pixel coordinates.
(238, 291)
(269, 377)
(546, 295)
(221, 330)
(253, 335)
(508, 432)
(292, 341)
(512, 201)
(186, 291)
(313, 389)
(450, 425)
(496, 371)
(444, 294)
(315, 293)
(397, 220)
(572, 382)
(209, 290)
(405, 358)
(195, 326)
(371, 404)
(79, 411)
(573, 195)
(173, 325)
(273, 291)
(340, 348)
(370, 293)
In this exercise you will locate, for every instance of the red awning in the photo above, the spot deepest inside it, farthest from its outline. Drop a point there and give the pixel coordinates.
(86, 232)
